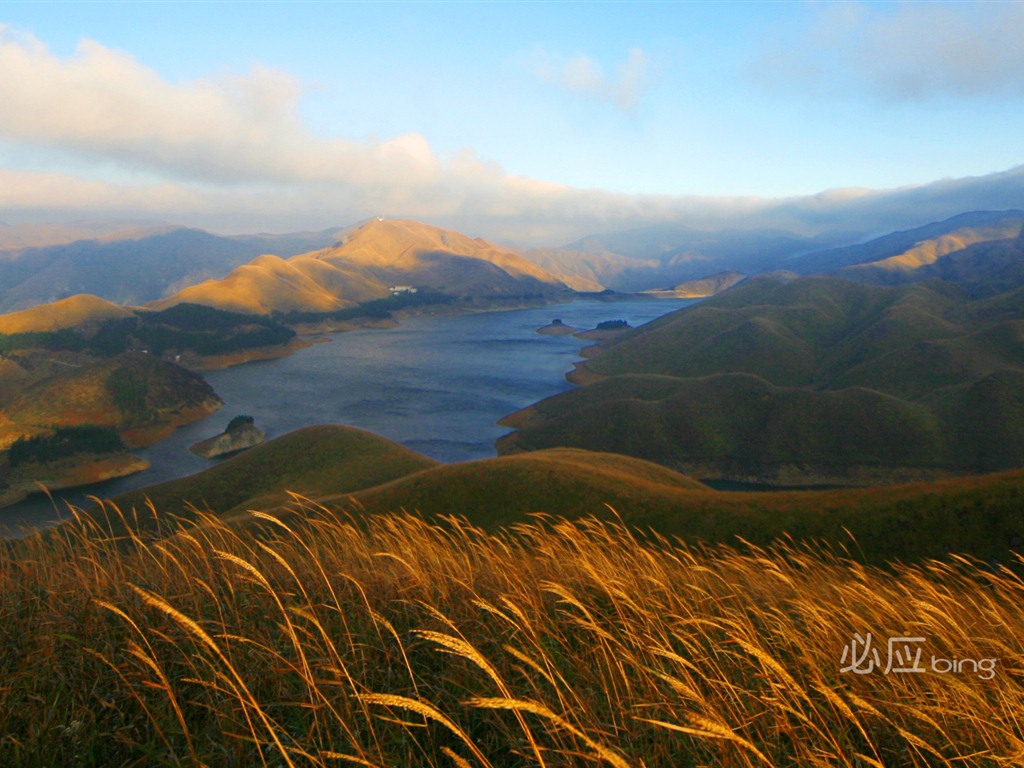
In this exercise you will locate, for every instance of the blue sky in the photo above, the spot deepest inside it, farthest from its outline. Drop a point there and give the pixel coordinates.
(495, 117)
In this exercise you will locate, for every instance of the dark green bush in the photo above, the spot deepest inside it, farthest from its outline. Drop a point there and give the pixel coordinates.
(66, 441)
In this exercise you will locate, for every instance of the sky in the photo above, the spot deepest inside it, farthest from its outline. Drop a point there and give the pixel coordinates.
(527, 122)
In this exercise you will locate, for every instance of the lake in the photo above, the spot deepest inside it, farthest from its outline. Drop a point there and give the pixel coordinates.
(437, 385)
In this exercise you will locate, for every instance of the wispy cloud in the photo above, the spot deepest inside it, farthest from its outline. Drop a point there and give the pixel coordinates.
(583, 75)
(913, 52)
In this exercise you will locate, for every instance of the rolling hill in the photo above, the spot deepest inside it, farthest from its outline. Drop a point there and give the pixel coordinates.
(372, 259)
(359, 474)
(799, 382)
(140, 396)
(81, 309)
(270, 283)
(312, 461)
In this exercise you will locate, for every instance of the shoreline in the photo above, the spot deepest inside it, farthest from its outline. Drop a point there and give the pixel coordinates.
(68, 474)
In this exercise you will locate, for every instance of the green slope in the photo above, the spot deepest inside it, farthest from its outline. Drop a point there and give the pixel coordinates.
(313, 461)
(981, 515)
(807, 381)
(501, 491)
(358, 473)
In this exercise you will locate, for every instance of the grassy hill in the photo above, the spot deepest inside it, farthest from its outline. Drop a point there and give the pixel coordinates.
(270, 283)
(983, 268)
(67, 313)
(808, 381)
(370, 260)
(313, 461)
(140, 396)
(84, 329)
(361, 474)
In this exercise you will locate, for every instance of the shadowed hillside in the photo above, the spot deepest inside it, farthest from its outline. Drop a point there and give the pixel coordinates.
(313, 461)
(362, 474)
(810, 381)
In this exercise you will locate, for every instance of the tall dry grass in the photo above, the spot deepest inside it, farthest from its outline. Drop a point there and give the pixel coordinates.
(392, 641)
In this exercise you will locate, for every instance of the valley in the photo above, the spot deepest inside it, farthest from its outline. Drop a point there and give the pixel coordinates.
(511, 385)
(240, 468)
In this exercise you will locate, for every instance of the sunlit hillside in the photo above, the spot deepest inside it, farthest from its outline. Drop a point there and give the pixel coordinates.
(67, 313)
(141, 396)
(916, 247)
(271, 283)
(372, 259)
(930, 251)
(390, 641)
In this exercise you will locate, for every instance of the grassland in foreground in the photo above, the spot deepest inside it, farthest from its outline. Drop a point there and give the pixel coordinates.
(391, 641)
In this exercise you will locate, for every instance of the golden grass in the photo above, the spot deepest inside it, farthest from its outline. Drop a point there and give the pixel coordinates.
(391, 641)
(66, 313)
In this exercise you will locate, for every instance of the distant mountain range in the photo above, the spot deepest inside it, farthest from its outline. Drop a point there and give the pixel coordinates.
(660, 257)
(377, 260)
(335, 268)
(134, 266)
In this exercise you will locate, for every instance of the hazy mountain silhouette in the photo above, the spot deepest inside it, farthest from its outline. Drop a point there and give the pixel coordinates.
(137, 266)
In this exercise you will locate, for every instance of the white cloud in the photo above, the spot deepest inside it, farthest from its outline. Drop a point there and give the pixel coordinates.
(913, 52)
(585, 76)
(231, 155)
(104, 104)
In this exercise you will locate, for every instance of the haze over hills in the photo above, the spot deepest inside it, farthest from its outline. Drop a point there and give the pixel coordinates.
(662, 256)
(17, 237)
(920, 243)
(137, 265)
(656, 257)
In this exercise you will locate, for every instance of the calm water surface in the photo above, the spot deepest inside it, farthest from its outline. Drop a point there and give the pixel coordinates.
(437, 385)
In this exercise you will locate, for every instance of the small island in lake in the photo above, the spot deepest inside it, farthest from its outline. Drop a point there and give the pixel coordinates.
(241, 433)
(606, 330)
(557, 328)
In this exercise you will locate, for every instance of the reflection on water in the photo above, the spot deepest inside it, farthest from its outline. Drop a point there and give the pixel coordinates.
(437, 385)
